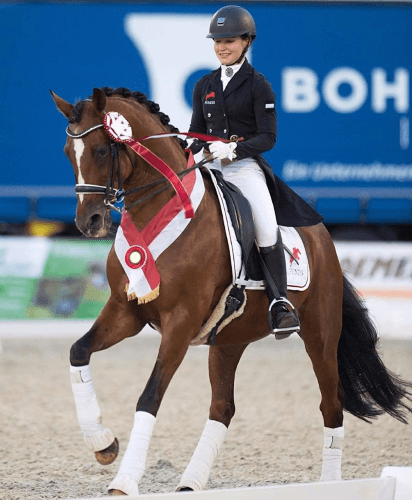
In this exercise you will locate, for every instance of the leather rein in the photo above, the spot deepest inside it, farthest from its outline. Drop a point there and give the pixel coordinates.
(113, 195)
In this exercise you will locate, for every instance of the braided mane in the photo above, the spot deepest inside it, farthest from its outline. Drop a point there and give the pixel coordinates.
(140, 97)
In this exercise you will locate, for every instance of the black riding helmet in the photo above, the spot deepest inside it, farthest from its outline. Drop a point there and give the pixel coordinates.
(231, 21)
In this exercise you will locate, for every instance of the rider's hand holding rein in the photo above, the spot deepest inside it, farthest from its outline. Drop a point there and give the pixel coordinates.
(222, 151)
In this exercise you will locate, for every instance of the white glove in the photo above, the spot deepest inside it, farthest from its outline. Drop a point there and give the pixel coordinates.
(221, 151)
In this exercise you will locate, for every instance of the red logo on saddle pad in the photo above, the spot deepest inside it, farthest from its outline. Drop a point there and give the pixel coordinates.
(212, 94)
(296, 253)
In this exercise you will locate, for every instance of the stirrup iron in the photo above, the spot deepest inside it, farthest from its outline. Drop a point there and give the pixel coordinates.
(283, 332)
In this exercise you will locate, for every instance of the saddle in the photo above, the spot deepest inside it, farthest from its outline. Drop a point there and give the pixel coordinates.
(251, 275)
(234, 300)
(242, 220)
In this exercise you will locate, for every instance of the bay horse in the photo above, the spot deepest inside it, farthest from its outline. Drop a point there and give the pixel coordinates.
(337, 332)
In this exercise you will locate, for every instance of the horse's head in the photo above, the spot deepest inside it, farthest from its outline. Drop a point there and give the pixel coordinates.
(102, 166)
(96, 162)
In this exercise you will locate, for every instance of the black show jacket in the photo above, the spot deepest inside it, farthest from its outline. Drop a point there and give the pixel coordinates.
(246, 108)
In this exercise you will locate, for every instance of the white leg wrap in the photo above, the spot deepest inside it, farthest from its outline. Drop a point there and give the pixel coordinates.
(133, 462)
(96, 436)
(332, 454)
(197, 472)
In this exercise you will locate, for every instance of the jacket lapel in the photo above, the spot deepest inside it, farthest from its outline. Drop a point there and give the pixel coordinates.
(237, 80)
(215, 85)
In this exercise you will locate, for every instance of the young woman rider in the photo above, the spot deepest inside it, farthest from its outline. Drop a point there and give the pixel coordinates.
(237, 101)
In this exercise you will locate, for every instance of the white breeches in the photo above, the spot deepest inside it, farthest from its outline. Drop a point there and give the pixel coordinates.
(250, 179)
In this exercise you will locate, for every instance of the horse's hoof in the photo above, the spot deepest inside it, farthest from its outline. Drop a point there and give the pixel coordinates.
(108, 455)
(186, 488)
(117, 493)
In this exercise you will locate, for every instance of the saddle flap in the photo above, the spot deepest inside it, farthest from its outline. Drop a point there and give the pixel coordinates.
(241, 216)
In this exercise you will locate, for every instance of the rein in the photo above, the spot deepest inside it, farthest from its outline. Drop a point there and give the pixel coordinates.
(113, 195)
(160, 181)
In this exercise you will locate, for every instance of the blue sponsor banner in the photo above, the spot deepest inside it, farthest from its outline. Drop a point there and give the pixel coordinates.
(341, 73)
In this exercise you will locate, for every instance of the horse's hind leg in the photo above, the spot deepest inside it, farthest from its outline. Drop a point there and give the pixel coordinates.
(326, 371)
(116, 322)
(223, 362)
(322, 325)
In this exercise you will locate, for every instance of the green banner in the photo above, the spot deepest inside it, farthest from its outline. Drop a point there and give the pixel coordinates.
(44, 278)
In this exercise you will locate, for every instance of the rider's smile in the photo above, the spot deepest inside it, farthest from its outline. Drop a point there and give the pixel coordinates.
(229, 50)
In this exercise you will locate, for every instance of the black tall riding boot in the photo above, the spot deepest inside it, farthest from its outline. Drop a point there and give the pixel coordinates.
(282, 320)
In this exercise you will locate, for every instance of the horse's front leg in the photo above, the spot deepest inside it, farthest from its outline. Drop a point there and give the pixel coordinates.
(223, 362)
(117, 321)
(173, 347)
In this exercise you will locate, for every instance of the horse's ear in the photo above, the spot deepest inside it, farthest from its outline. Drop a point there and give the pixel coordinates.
(99, 100)
(63, 106)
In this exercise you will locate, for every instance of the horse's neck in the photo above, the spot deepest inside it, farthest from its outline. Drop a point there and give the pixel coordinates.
(144, 123)
(143, 174)
(169, 150)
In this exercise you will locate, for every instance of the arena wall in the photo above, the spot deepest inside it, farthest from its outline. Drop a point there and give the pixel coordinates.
(43, 279)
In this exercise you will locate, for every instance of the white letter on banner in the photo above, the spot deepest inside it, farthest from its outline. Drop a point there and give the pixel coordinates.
(344, 104)
(299, 90)
(398, 90)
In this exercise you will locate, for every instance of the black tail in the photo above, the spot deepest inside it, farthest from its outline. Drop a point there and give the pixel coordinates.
(369, 388)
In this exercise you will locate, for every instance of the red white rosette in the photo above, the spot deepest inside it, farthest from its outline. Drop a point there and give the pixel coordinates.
(136, 257)
(117, 126)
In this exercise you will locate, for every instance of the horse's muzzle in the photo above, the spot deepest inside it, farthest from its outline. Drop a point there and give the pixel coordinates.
(94, 221)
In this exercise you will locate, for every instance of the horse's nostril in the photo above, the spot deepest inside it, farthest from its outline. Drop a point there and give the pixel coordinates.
(95, 221)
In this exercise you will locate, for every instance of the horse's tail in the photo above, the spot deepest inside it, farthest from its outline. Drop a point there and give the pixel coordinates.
(369, 388)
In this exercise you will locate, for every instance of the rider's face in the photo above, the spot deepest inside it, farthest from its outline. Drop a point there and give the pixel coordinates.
(228, 50)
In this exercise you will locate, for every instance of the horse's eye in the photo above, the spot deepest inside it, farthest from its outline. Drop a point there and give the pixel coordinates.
(101, 151)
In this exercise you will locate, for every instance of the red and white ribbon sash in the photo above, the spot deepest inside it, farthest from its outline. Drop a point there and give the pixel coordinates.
(138, 251)
(119, 129)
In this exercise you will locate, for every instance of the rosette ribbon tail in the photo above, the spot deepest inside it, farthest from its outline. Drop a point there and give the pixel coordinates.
(153, 294)
(137, 261)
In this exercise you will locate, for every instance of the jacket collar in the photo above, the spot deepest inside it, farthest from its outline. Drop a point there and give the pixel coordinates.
(238, 78)
(215, 82)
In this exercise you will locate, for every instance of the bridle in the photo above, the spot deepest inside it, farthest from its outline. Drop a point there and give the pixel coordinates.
(113, 195)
